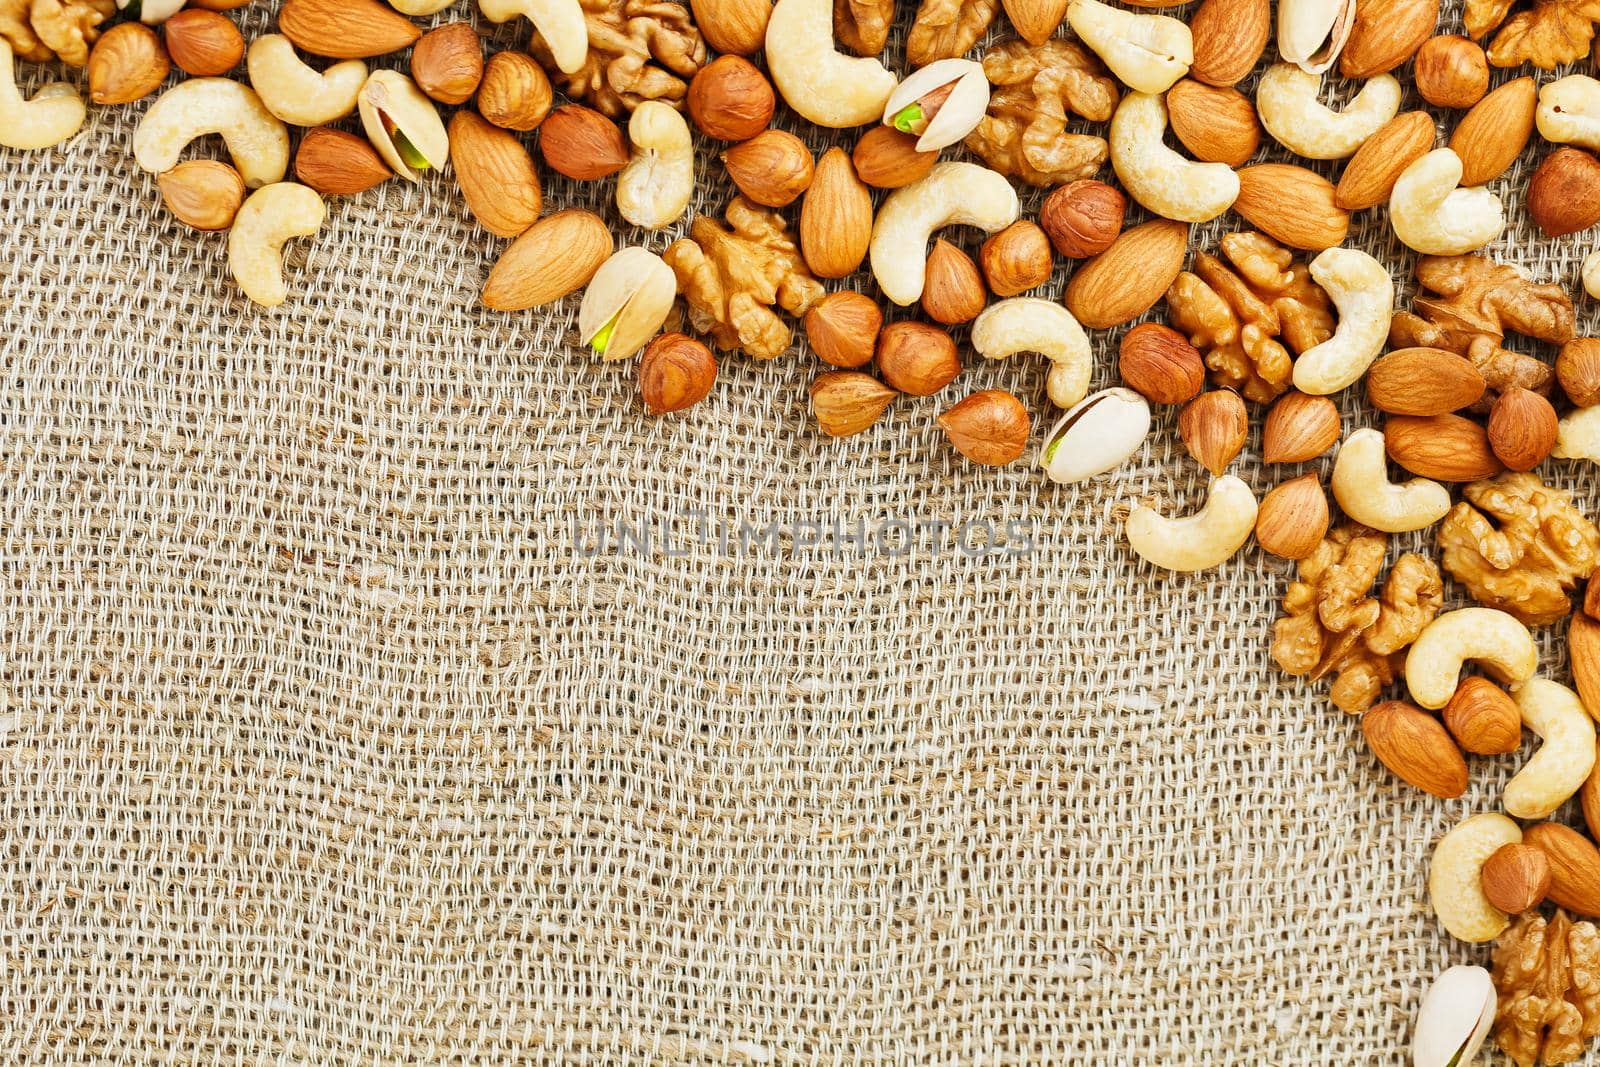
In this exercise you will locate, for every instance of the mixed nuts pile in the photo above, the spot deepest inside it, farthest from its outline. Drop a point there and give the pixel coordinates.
(1278, 315)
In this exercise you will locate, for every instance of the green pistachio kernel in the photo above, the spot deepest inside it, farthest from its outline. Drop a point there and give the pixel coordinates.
(408, 152)
(907, 118)
(601, 340)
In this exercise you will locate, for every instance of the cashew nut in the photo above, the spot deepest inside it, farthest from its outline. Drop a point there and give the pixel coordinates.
(1028, 324)
(958, 114)
(1147, 52)
(1590, 274)
(1433, 216)
(258, 142)
(1569, 111)
(951, 194)
(1362, 291)
(1312, 33)
(816, 79)
(559, 22)
(1578, 435)
(269, 217)
(1200, 541)
(1455, 882)
(402, 124)
(1501, 644)
(297, 94)
(653, 190)
(420, 8)
(1361, 485)
(55, 113)
(1287, 102)
(1555, 772)
(1158, 177)
(1097, 434)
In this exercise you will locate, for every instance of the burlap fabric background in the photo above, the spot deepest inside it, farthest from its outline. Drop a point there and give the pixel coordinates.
(327, 739)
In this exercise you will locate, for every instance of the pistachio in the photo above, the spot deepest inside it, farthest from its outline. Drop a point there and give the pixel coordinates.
(1096, 435)
(1454, 1018)
(402, 124)
(626, 302)
(939, 104)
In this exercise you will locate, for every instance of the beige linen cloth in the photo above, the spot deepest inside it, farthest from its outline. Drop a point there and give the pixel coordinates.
(331, 732)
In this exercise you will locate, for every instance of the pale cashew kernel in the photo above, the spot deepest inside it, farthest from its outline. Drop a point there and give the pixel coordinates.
(1028, 324)
(257, 140)
(816, 79)
(1501, 644)
(653, 190)
(269, 217)
(1158, 177)
(296, 93)
(1433, 216)
(1287, 102)
(961, 110)
(1578, 435)
(1361, 485)
(1590, 274)
(951, 194)
(1200, 541)
(420, 8)
(1147, 52)
(1361, 289)
(1569, 111)
(559, 22)
(55, 113)
(1555, 772)
(1455, 882)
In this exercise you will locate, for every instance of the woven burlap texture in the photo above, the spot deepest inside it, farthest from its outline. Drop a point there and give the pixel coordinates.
(333, 731)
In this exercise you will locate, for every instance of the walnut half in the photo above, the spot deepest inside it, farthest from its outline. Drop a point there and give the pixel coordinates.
(1547, 976)
(638, 50)
(1036, 88)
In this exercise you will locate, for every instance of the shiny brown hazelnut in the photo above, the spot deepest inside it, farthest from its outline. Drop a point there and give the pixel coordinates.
(447, 62)
(952, 292)
(1451, 71)
(989, 427)
(1578, 370)
(1016, 259)
(1083, 217)
(675, 372)
(730, 100)
(515, 92)
(917, 358)
(842, 328)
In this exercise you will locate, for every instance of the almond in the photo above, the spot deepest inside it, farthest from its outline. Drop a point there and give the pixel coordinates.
(733, 27)
(1385, 34)
(1293, 518)
(346, 29)
(1493, 134)
(1583, 650)
(203, 43)
(836, 218)
(1035, 20)
(1229, 37)
(1423, 381)
(1127, 279)
(1446, 448)
(1160, 363)
(1217, 125)
(555, 256)
(581, 143)
(772, 168)
(846, 402)
(1522, 428)
(953, 291)
(1370, 175)
(1213, 427)
(336, 163)
(1413, 745)
(1292, 205)
(496, 175)
(447, 63)
(1564, 192)
(1299, 427)
(515, 92)
(1589, 796)
(1516, 878)
(1483, 718)
(1574, 866)
(843, 328)
(885, 158)
(127, 64)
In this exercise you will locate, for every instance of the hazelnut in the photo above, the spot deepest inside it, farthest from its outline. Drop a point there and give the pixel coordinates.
(447, 63)
(1160, 363)
(1483, 718)
(1292, 518)
(1564, 192)
(917, 358)
(772, 168)
(675, 372)
(843, 328)
(1522, 428)
(203, 193)
(515, 92)
(1016, 259)
(1214, 426)
(953, 291)
(1451, 72)
(582, 143)
(885, 158)
(988, 427)
(1083, 217)
(1578, 369)
(1516, 878)
(127, 64)
(203, 43)
(847, 402)
(1299, 427)
(730, 100)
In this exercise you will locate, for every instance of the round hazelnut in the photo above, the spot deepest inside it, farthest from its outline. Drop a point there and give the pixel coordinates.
(1451, 71)
(1016, 259)
(1578, 370)
(1083, 217)
(730, 100)
(842, 328)
(885, 158)
(953, 291)
(917, 358)
(675, 372)
(582, 143)
(772, 168)
(1159, 363)
(989, 427)
(515, 92)
(447, 62)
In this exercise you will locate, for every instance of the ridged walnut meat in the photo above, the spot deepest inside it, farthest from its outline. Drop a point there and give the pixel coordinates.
(863, 25)
(1546, 33)
(69, 27)
(731, 276)
(1547, 975)
(638, 50)
(1036, 89)
(1250, 319)
(946, 28)
(1331, 626)
(17, 29)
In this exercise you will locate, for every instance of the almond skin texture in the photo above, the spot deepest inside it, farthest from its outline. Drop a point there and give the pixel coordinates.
(346, 29)
(1413, 745)
(497, 176)
(1385, 34)
(843, 328)
(1423, 381)
(885, 158)
(1299, 427)
(128, 63)
(555, 256)
(1370, 175)
(1483, 718)
(336, 163)
(1574, 866)
(1213, 427)
(582, 143)
(515, 93)
(1451, 72)
(953, 292)
(772, 168)
(1516, 878)
(1293, 518)
(1160, 363)
(203, 193)
(733, 27)
(1217, 125)
(203, 43)
(1292, 205)
(730, 100)
(989, 427)
(675, 372)
(916, 358)
(1446, 448)
(1083, 218)
(1564, 192)
(1589, 798)
(846, 402)
(836, 218)
(1522, 429)
(1229, 37)
(1016, 259)
(1583, 649)
(1493, 134)
(447, 63)
(1127, 279)
(1578, 370)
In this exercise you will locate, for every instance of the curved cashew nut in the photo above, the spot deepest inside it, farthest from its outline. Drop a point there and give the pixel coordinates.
(1147, 52)
(1287, 102)
(1200, 541)
(269, 217)
(951, 194)
(297, 94)
(1578, 435)
(419, 8)
(258, 142)
(1590, 274)
(653, 190)
(1361, 485)
(1028, 324)
(1433, 216)
(1559, 768)
(815, 78)
(962, 109)
(1496, 640)
(559, 22)
(55, 113)
(1361, 289)
(1569, 111)
(1158, 177)
(1455, 882)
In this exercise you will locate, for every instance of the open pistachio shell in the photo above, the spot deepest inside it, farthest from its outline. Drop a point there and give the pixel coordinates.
(960, 112)
(1097, 434)
(627, 301)
(1312, 33)
(1454, 1018)
(390, 94)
